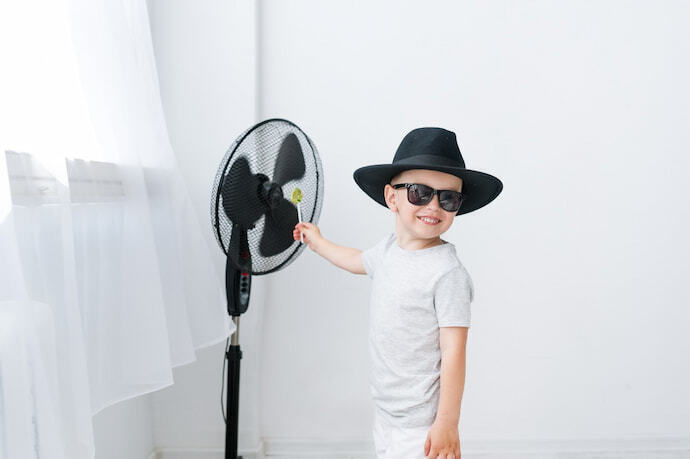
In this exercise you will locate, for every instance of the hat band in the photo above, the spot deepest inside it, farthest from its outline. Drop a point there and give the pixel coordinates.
(431, 160)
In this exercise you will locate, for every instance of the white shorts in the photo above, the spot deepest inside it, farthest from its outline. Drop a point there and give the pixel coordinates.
(397, 442)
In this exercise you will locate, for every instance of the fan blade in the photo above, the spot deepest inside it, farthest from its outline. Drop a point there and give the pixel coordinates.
(278, 226)
(240, 191)
(290, 161)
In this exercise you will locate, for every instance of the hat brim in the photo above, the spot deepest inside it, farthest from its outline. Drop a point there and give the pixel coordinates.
(479, 188)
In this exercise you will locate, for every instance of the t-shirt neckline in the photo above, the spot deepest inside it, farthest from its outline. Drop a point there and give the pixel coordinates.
(417, 251)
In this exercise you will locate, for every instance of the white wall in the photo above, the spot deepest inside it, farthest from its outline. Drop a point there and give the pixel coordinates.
(579, 320)
(582, 109)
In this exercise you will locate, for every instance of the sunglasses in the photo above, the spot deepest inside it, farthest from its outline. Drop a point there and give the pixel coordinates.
(419, 195)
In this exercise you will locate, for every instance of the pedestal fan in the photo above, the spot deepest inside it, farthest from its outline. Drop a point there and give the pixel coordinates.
(253, 217)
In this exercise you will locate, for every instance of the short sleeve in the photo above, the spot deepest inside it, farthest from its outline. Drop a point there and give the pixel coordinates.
(452, 297)
(371, 258)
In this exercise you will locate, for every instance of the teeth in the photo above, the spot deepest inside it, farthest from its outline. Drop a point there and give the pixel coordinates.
(429, 220)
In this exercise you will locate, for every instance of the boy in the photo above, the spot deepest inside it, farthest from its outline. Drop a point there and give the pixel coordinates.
(421, 292)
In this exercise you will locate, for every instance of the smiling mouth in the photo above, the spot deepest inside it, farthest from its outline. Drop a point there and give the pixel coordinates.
(429, 220)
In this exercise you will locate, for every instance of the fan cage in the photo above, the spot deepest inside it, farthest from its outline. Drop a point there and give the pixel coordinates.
(259, 145)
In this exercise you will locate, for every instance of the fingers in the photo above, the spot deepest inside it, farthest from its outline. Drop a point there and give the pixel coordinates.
(435, 453)
(430, 451)
(309, 230)
(297, 235)
(305, 225)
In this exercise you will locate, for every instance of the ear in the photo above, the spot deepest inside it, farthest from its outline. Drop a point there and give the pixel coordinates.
(389, 194)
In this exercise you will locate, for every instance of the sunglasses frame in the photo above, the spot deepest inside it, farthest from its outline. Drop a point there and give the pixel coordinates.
(434, 192)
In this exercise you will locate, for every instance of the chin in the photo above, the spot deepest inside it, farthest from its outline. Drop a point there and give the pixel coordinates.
(428, 233)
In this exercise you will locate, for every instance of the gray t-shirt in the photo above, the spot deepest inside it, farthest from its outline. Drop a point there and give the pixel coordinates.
(414, 292)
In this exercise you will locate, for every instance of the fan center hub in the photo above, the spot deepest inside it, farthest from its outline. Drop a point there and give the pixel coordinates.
(272, 193)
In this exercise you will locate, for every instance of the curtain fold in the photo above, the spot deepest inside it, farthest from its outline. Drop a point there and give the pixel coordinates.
(106, 279)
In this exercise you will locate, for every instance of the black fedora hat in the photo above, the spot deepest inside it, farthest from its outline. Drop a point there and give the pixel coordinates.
(435, 149)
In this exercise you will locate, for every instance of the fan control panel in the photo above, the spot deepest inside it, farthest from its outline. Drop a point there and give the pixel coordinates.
(242, 289)
(244, 285)
(237, 288)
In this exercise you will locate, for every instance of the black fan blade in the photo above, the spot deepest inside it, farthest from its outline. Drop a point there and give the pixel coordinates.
(278, 226)
(240, 191)
(290, 161)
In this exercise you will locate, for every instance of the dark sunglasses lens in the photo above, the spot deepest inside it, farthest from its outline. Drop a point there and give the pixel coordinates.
(450, 200)
(419, 194)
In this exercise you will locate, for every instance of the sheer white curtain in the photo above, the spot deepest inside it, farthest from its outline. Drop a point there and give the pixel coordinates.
(106, 281)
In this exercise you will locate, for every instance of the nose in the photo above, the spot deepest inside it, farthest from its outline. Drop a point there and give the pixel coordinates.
(434, 204)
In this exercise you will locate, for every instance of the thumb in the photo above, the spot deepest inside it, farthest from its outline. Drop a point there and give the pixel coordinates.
(427, 445)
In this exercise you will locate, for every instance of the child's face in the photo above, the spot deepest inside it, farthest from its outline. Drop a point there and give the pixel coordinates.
(409, 216)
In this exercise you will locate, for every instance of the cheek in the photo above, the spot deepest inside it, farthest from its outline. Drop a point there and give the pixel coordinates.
(403, 208)
(409, 213)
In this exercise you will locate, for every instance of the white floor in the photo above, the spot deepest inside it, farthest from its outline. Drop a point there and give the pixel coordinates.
(217, 454)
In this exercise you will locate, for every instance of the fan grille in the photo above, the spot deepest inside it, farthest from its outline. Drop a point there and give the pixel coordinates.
(259, 145)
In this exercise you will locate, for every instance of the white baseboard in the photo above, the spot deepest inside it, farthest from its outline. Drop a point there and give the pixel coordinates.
(662, 447)
(292, 448)
(205, 453)
(198, 454)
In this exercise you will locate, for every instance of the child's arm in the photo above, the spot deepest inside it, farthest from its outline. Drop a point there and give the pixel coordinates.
(443, 437)
(343, 257)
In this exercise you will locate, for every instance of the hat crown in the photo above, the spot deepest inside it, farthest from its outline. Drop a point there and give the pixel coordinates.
(430, 142)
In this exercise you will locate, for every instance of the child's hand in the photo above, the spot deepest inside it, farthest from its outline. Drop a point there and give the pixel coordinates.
(442, 441)
(311, 232)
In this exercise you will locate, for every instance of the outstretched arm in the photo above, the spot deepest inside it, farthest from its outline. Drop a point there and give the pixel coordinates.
(346, 258)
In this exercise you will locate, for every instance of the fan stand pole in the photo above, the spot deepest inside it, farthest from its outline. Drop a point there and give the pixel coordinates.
(234, 356)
